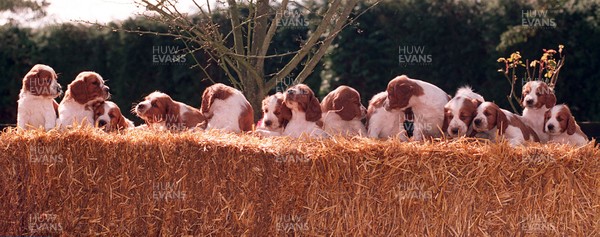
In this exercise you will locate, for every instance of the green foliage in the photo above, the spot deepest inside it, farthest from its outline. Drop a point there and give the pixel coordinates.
(464, 40)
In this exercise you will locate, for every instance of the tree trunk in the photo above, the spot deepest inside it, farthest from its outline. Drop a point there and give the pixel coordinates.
(254, 94)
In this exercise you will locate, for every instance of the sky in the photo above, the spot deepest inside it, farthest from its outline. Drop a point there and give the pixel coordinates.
(101, 11)
(91, 10)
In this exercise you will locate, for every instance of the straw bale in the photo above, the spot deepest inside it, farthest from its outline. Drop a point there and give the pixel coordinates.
(140, 183)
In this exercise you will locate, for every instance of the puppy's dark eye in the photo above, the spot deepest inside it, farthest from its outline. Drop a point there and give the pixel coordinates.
(486, 113)
(559, 119)
(153, 103)
(276, 113)
(266, 110)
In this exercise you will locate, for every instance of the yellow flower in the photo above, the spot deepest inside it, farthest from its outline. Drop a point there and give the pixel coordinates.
(515, 56)
(533, 63)
(501, 60)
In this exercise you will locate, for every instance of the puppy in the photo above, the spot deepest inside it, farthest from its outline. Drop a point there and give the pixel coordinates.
(493, 121)
(36, 104)
(562, 128)
(275, 116)
(160, 112)
(108, 116)
(537, 98)
(76, 107)
(382, 123)
(459, 112)
(227, 109)
(426, 100)
(306, 112)
(343, 112)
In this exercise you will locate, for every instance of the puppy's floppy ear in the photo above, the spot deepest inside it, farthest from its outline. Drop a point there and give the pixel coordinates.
(208, 97)
(55, 105)
(285, 113)
(476, 102)
(549, 100)
(446, 123)
(172, 117)
(345, 108)
(571, 126)
(313, 110)
(501, 121)
(546, 117)
(79, 91)
(398, 95)
(120, 122)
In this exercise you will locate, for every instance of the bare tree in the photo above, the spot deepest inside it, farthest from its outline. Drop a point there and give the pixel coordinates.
(244, 61)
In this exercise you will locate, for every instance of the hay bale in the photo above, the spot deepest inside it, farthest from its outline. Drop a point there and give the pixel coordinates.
(86, 182)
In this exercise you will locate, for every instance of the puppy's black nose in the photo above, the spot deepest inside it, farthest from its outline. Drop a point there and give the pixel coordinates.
(477, 122)
(454, 131)
(106, 88)
(550, 126)
(101, 123)
(529, 102)
(268, 123)
(290, 91)
(140, 106)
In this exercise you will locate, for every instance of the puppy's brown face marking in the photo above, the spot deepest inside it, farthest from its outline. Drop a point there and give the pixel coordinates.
(537, 94)
(156, 108)
(41, 81)
(88, 86)
(400, 90)
(303, 98)
(345, 101)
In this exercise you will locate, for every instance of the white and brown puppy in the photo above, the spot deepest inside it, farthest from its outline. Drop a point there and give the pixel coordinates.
(275, 116)
(537, 98)
(459, 112)
(77, 106)
(226, 108)
(493, 121)
(426, 100)
(562, 128)
(108, 116)
(343, 112)
(161, 112)
(382, 123)
(36, 105)
(306, 112)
